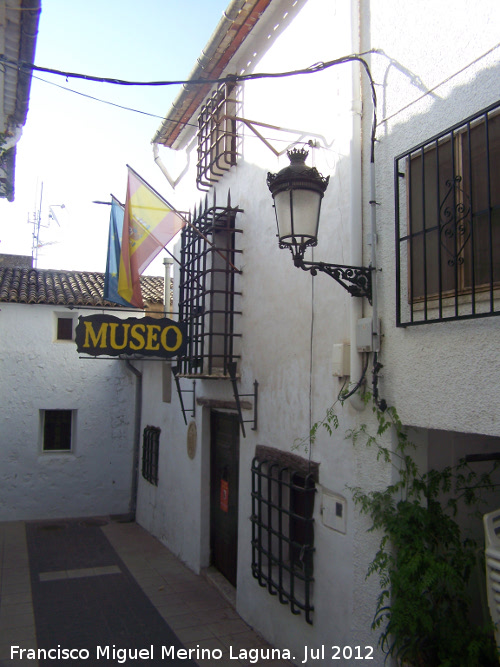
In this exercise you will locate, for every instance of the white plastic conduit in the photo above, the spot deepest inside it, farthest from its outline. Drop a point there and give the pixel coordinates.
(356, 205)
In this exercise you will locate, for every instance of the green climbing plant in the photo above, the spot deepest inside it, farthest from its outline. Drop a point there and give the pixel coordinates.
(423, 563)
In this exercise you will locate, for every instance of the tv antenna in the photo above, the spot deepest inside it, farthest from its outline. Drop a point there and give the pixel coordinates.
(36, 220)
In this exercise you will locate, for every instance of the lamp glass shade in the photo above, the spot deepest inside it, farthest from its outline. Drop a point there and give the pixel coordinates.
(297, 216)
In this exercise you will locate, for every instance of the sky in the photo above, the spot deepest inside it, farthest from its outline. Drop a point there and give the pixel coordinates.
(74, 150)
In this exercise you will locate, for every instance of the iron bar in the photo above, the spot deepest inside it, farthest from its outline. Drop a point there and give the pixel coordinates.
(283, 533)
(449, 233)
(207, 294)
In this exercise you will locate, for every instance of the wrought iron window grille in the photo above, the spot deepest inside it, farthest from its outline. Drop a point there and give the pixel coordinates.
(217, 136)
(150, 454)
(208, 294)
(283, 531)
(447, 201)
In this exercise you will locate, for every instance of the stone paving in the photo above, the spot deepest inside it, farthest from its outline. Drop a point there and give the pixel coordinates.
(97, 582)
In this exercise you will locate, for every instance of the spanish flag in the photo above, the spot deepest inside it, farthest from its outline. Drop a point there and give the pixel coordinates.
(150, 222)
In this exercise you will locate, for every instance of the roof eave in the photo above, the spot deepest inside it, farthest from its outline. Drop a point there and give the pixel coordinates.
(22, 44)
(237, 22)
(29, 33)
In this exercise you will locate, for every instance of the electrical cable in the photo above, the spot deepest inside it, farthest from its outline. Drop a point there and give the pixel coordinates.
(98, 99)
(381, 403)
(232, 78)
(343, 397)
(311, 364)
(23, 66)
(317, 67)
(152, 115)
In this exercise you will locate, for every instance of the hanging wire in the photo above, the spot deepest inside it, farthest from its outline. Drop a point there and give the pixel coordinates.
(98, 99)
(23, 66)
(341, 396)
(232, 78)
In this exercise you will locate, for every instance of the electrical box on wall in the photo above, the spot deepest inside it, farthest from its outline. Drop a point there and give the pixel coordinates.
(364, 335)
(367, 336)
(341, 359)
(334, 511)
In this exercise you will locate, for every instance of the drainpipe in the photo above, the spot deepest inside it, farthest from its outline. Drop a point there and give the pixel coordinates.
(373, 257)
(164, 170)
(356, 204)
(137, 439)
(168, 263)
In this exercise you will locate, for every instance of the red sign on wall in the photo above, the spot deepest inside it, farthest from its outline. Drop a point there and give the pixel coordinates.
(224, 495)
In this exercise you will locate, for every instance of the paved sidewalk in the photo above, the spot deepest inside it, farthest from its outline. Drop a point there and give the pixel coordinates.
(74, 582)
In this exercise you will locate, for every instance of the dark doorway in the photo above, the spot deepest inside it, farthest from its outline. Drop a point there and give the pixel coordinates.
(224, 475)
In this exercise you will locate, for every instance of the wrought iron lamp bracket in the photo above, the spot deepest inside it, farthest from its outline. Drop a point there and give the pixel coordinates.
(357, 280)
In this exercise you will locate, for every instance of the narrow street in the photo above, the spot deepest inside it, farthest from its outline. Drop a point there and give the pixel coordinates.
(110, 593)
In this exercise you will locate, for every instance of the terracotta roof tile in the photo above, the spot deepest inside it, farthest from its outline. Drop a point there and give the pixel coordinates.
(69, 288)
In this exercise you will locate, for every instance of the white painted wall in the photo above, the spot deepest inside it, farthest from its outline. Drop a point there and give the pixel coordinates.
(37, 373)
(442, 376)
(439, 66)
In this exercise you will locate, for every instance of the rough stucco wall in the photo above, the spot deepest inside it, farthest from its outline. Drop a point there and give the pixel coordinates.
(284, 310)
(290, 321)
(39, 373)
(171, 511)
(440, 66)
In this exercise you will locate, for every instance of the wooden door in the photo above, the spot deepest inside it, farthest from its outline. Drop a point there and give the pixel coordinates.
(224, 473)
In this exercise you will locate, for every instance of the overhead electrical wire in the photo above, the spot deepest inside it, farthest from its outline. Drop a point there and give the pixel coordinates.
(144, 113)
(98, 99)
(317, 67)
(230, 78)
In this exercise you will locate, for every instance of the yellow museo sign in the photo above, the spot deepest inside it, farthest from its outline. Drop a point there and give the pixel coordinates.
(99, 335)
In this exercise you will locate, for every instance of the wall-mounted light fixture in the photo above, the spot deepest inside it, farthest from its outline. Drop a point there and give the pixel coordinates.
(297, 191)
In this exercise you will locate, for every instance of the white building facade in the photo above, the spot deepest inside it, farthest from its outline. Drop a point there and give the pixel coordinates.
(67, 420)
(234, 461)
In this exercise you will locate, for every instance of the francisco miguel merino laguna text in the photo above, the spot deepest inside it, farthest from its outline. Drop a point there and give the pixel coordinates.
(121, 655)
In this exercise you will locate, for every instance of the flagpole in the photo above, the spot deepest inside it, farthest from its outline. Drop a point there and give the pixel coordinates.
(152, 189)
(188, 223)
(116, 200)
(172, 255)
(212, 245)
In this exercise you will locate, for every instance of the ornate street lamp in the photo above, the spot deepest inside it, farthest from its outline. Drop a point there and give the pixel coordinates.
(297, 191)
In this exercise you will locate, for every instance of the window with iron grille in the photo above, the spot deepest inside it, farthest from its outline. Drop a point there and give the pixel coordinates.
(283, 490)
(208, 295)
(150, 454)
(217, 138)
(448, 224)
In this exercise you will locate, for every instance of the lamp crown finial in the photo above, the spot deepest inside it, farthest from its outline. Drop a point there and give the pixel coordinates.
(297, 155)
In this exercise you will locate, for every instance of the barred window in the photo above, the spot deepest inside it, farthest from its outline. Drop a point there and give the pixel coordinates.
(150, 454)
(208, 294)
(217, 138)
(448, 223)
(283, 490)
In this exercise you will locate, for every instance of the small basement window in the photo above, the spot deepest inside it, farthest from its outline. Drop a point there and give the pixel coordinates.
(150, 454)
(64, 328)
(57, 430)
